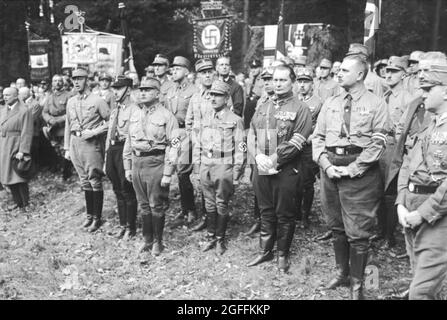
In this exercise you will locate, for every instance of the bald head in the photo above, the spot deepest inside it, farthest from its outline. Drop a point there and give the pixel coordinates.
(10, 95)
(24, 93)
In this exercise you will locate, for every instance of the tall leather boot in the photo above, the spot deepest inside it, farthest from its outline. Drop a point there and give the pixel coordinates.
(266, 241)
(211, 231)
(286, 231)
(122, 217)
(98, 199)
(359, 258)
(255, 228)
(203, 221)
(148, 233)
(308, 198)
(341, 249)
(131, 211)
(222, 222)
(66, 169)
(158, 223)
(89, 208)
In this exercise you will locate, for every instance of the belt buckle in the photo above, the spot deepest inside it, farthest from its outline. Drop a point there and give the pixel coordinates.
(411, 187)
(339, 151)
(137, 153)
(209, 154)
(78, 133)
(112, 142)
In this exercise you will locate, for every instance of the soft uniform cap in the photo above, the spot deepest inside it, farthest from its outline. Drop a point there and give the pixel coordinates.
(325, 63)
(181, 62)
(105, 76)
(220, 88)
(306, 73)
(397, 63)
(381, 62)
(79, 73)
(256, 63)
(358, 49)
(149, 68)
(22, 167)
(150, 83)
(160, 59)
(288, 61)
(204, 64)
(300, 60)
(267, 73)
(415, 56)
(122, 81)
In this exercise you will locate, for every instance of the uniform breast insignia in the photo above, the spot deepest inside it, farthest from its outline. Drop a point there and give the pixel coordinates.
(242, 147)
(285, 115)
(438, 156)
(438, 138)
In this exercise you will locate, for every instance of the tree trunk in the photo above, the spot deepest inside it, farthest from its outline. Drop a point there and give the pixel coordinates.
(437, 19)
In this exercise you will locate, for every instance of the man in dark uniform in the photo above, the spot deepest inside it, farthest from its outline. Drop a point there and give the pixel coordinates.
(349, 139)
(150, 153)
(161, 70)
(53, 114)
(223, 69)
(255, 91)
(278, 132)
(411, 80)
(116, 137)
(177, 101)
(422, 188)
(305, 191)
(85, 123)
(220, 155)
(268, 94)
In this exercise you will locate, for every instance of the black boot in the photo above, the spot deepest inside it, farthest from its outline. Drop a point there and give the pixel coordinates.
(308, 198)
(359, 258)
(211, 231)
(158, 224)
(341, 249)
(222, 222)
(255, 228)
(131, 211)
(266, 241)
(122, 217)
(67, 171)
(286, 231)
(89, 207)
(148, 233)
(98, 199)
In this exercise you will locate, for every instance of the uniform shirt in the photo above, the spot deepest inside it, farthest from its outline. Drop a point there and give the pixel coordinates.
(119, 120)
(279, 128)
(166, 85)
(397, 100)
(325, 88)
(108, 97)
(198, 109)
(152, 128)
(375, 84)
(86, 111)
(222, 141)
(237, 96)
(368, 125)
(426, 165)
(314, 103)
(36, 110)
(55, 106)
(178, 98)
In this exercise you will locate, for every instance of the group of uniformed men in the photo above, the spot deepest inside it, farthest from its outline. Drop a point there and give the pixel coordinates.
(377, 152)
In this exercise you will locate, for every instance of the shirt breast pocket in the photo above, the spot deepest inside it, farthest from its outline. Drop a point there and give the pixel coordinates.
(157, 128)
(90, 111)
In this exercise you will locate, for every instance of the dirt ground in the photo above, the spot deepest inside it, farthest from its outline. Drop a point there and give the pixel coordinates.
(44, 254)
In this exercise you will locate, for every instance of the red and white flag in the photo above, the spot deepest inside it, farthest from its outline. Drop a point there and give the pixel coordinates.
(372, 22)
(280, 42)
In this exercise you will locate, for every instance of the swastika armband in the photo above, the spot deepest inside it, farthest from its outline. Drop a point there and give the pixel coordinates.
(242, 147)
(175, 143)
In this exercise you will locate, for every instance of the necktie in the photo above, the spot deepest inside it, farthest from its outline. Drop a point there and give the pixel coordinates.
(387, 97)
(115, 123)
(347, 115)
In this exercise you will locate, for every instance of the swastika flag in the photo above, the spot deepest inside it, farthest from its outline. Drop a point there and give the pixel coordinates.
(212, 37)
(372, 22)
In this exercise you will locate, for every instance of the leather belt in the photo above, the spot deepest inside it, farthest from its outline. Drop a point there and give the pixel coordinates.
(344, 151)
(77, 133)
(154, 152)
(420, 189)
(218, 155)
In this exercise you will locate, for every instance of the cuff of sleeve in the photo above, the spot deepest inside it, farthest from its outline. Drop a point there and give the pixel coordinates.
(169, 168)
(400, 199)
(127, 165)
(324, 162)
(427, 212)
(353, 169)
